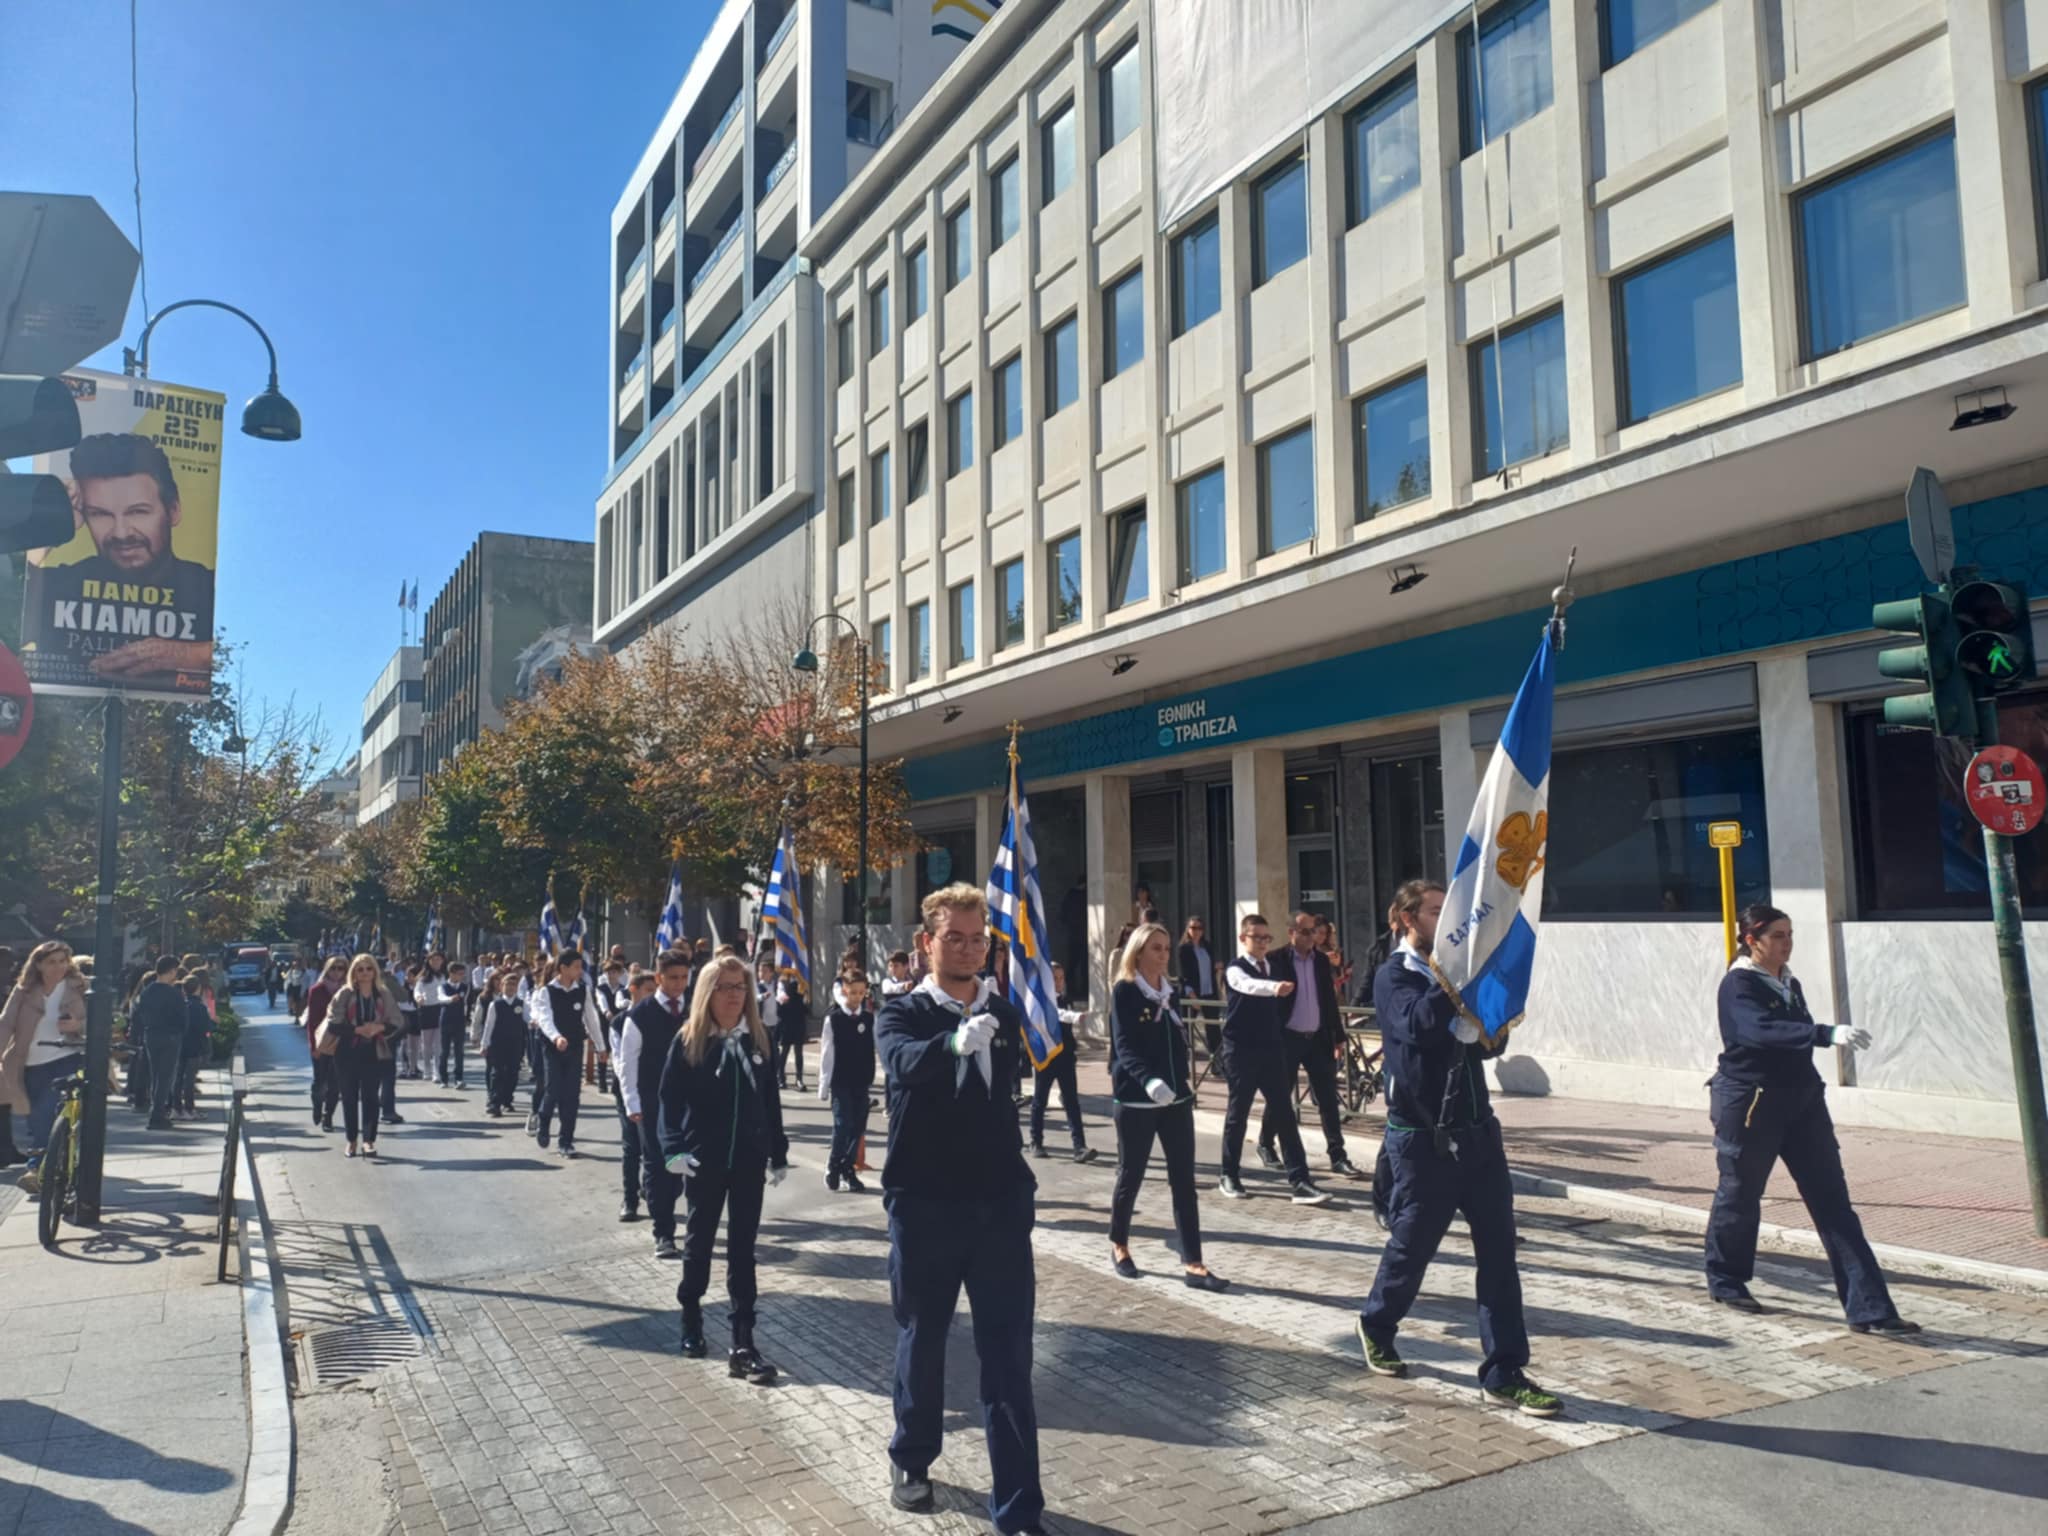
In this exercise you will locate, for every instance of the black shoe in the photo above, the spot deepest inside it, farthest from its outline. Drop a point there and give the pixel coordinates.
(1343, 1167)
(1305, 1193)
(491, 1110)
(629, 1212)
(1205, 1282)
(693, 1331)
(1084, 1154)
(854, 1185)
(1894, 1325)
(665, 1248)
(316, 1114)
(1268, 1156)
(393, 1119)
(911, 1491)
(156, 1124)
(832, 1182)
(1038, 1149)
(542, 1138)
(744, 1363)
(568, 1151)
(1230, 1187)
(326, 1122)
(1123, 1266)
(1742, 1302)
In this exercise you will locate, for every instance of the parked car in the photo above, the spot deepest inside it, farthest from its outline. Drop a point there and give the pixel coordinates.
(246, 968)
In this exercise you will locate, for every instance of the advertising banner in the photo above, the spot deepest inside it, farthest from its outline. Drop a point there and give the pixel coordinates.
(127, 605)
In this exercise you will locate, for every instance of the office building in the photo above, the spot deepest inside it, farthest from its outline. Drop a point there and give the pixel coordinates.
(388, 767)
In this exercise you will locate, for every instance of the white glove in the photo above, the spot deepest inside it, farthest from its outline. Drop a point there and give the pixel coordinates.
(682, 1163)
(1159, 1092)
(1857, 1039)
(776, 1176)
(972, 1035)
(1466, 1031)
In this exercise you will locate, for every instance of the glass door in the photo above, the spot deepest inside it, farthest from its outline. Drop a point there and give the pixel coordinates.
(1312, 881)
(1407, 827)
(1156, 855)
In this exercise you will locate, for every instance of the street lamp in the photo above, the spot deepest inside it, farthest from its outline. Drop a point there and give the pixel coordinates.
(269, 415)
(806, 660)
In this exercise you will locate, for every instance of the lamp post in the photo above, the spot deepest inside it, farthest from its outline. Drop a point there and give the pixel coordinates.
(806, 660)
(273, 418)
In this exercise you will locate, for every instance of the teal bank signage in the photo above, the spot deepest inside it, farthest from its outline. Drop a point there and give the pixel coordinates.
(1190, 721)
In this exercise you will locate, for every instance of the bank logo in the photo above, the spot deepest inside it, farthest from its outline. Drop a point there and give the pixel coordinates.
(1521, 843)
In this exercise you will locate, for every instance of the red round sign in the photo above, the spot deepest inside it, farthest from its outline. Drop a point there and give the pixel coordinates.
(2005, 790)
(17, 707)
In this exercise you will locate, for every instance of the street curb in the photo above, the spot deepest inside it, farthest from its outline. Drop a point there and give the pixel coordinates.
(1693, 1216)
(267, 1480)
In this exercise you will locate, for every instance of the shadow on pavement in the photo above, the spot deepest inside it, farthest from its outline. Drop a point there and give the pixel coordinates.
(1992, 1467)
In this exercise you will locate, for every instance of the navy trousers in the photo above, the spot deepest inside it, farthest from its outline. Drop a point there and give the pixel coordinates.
(501, 1073)
(736, 1194)
(1262, 1073)
(661, 1187)
(849, 1124)
(1059, 1072)
(1304, 1053)
(632, 1185)
(1428, 1188)
(935, 1247)
(537, 1053)
(564, 1095)
(1755, 1127)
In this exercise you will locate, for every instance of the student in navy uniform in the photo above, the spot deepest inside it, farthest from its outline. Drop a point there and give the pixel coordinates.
(537, 1051)
(1059, 1073)
(960, 1201)
(1768, 1103)
(567, 1015)
(721, 1131)
(648, 1030)
(456, 996)
(846, 1076)
(1151, 1079)
(503, 1042)
(786, 1016)
(1445, 1156)
(1313, 1037)
(632, 1178)
(1255, 1062)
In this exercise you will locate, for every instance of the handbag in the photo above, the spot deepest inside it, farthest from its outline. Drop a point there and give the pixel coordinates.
(326, 1039)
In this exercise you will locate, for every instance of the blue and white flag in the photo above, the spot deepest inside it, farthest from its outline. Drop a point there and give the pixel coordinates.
(1016, 913)
(578, 931)
(433, 925)
(782, 914)
(1486, 938)
(670, 931)
(550, 926)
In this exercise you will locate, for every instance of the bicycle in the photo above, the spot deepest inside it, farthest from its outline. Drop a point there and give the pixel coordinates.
(59, 1172)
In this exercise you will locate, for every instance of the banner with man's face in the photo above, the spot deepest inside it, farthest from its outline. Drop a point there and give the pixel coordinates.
(127, 604)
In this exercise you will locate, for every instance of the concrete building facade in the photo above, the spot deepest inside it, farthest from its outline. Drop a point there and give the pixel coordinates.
(388, 766)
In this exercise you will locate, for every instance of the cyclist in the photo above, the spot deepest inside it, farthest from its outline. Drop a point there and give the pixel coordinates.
(42, 1042)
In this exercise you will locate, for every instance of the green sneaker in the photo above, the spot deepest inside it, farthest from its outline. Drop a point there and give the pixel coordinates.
(1380, 1359)
(1522, 1395)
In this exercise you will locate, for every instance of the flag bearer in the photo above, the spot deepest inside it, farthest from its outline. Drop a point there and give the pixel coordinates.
(1255, 1062)
(649, 1029)
(846, 1075)
(1445, 1156)
(960, 1201)
(638, 988)
(567, 1015)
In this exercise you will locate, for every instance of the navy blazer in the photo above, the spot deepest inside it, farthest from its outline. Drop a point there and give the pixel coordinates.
(1766, 1040)
(1145, 1042)
(1414, 1016)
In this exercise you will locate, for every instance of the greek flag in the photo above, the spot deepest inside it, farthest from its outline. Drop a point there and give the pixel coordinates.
(1486, 939)
(433, 925)
(1016, 912)
(550, 927)
(782, 913)
(670, 932)
(578, 931)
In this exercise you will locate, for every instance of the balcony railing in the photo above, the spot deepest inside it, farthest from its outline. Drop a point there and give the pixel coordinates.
(717, 133)
(865, 129)
(779, 169)
(668, 216)
(711, 257)
(633, 367)
(668, 322)
(781, 31)
(634, 268)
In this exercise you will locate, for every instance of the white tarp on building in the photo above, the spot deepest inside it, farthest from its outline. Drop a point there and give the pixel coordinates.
(1234, 79)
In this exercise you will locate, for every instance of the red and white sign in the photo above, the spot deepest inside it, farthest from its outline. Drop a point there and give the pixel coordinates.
(17, 707)
(2005, 790)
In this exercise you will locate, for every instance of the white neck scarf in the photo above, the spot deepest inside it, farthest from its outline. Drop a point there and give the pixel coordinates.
(1162, 997)
(985, 989)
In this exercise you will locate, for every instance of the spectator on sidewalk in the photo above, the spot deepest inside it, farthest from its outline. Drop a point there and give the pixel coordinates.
(42, 1042)
(1767, 1103)
(197, 1049)
(365, 1015)
(1200, 978)
(326, 1085)
(159, 1017)
(1059, 1072)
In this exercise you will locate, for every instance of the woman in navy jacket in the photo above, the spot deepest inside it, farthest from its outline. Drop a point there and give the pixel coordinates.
(1154, 1099)
(1768, 1102)
(721, 1130)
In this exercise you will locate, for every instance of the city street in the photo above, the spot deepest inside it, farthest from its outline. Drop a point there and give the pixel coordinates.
(529, 1377)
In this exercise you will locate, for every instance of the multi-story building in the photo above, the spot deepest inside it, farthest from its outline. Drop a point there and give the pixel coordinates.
(1224, 408)
(388, 766)
(711, 428)
(515, 609)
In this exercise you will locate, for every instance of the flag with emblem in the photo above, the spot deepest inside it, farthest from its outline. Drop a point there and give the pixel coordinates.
(669, 933)
(1016, 915)
(782, 913)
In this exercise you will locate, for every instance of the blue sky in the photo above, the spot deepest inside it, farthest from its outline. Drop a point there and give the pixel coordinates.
(415, 201)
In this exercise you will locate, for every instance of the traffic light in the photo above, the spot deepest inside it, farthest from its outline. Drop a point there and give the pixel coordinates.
(1947, 708)
(36, 416)
(1994, 636)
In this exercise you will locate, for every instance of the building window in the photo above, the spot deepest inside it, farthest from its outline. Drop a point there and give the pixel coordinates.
(1056, 144)
(1530, 384)
(1063, 580)
(1385, 137)
(878, 654)
(1513, 73)
(878, 487)
(1009, 378)
(920, 641)
(1123, 324)
(959, 246)
(1009, 604)
(1197, 275)
(917, 461)
(1629, 827)
(1062, 366)
(1287, 490)
(960, 433)
(1881, 246)
(867, 112)
(1678, 334)
(1279, 220)
(1393, 446)
(1202, 509)
(1003, 209)
(849, 514)
(1629, 25)
(878, 318)
(916, 292)
(2037, 131)
(1119, 79)
(842, 347)
(1130, 566)
(960, 620)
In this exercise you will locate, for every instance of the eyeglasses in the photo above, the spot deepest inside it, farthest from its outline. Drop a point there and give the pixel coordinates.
(963, 940)
(731, 986)
(1258, 938)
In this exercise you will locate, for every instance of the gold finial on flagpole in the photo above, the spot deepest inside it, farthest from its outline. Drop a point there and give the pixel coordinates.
(1561, 598)
(1013, 743)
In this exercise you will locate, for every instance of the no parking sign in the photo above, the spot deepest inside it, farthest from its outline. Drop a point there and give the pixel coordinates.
(2005, 790)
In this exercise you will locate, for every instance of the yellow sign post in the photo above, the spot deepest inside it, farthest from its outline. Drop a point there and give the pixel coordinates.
(1724, 837)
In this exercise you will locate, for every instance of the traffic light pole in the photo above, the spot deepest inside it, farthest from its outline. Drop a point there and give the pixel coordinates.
(106, 978)
(2019, 994)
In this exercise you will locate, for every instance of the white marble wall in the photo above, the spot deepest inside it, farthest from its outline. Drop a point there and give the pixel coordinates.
(1638, 994)
(1930, 997)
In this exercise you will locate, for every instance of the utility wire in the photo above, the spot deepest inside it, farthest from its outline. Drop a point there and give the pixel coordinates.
(135, 147)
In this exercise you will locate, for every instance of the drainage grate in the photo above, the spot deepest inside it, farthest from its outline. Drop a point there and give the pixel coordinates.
(360, 1349)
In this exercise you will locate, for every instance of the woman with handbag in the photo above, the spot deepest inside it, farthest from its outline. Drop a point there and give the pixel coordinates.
(361, 1020)
(326, 1089)
(42, 1042)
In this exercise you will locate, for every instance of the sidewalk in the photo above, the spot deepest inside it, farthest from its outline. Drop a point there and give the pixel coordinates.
(1949, 1195)
(122, 1398)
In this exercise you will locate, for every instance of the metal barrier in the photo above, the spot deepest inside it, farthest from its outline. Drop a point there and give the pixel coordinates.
(238, 1083)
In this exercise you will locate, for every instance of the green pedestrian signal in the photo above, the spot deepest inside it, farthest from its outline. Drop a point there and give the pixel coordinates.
(1994, 636)
(1946, 708)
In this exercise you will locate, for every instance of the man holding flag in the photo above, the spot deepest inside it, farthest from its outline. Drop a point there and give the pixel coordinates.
(1446, 998)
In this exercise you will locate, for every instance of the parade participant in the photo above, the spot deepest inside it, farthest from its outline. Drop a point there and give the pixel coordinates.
(399, 983)
(413, 1028)
(768, 999)
(431, 994)
(1313, 1038)
(649, 1029)
(1255, 1061)
(1445, 1156)
(721, 1131)
(846, 1075)
(631, 1179)
(503, 1042)
(960, 1201)
(1059, 1072)
(326, 1085)
(792, 1023)
(534, 995)
(197, 1048)
(898, 981)
(568, 1018)
(1768, 1103)
(1151, 1079)
(612, 994)
(364, 1014)
(455, 999)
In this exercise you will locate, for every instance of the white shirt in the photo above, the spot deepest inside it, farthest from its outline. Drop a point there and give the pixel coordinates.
(543, 1014)
(1261, 985)
(630, 1043)
(891, 987)
(49, 1045)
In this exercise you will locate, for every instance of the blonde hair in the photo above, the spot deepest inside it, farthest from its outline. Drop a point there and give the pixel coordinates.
(366, 958)
(697, 1029)
(957, 897)
(1127, 967)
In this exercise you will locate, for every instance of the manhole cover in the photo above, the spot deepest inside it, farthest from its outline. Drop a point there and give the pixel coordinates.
(360, 1349)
